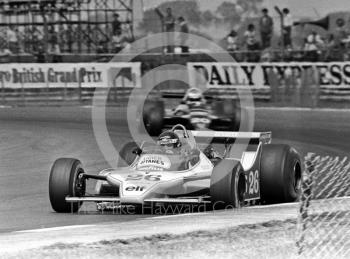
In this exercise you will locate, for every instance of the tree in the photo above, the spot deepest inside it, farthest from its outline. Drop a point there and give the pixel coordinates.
(229, 13)
(188, 9)
(207, 18)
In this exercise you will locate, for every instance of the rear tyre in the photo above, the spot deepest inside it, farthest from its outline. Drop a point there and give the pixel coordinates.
(153, 115)
(66, 180)
(281, 173)
(227, 185)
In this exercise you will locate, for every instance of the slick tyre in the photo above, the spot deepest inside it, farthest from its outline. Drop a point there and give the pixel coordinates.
(65, 180)
(227, 185)
(281, 173)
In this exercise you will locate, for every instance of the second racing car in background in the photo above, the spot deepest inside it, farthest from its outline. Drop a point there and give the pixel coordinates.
(195, 112)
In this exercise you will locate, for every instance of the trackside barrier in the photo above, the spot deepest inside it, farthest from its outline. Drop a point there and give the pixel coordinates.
(324, 213)
(280, 84)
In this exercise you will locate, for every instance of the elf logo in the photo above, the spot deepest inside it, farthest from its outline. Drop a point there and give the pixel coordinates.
(135, 188)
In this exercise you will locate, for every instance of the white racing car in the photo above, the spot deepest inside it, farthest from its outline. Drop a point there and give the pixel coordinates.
(176, 170)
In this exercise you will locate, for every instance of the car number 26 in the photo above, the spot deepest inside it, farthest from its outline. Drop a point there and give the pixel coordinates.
(253, 182)
(137, 177)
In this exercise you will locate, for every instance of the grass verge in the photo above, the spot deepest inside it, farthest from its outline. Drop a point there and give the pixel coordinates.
(274, 239)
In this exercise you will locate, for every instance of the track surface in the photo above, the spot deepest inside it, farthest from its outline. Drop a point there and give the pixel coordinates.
(31, 139)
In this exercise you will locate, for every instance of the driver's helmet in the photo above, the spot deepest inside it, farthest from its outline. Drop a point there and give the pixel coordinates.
(194, 97)
(169, 141)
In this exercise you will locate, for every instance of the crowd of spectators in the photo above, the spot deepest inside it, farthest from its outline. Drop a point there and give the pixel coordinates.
(66, 38)
(170, 23)
(256, 43)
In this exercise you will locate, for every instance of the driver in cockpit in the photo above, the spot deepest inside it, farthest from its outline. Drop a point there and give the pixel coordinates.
(171, 144)
(193, 98)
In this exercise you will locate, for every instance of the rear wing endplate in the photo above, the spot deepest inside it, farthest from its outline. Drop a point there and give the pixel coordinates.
(229, 136)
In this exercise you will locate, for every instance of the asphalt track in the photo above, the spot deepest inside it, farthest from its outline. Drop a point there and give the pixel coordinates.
(32, 138)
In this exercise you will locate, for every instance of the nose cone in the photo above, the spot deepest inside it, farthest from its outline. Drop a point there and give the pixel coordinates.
(135, 186)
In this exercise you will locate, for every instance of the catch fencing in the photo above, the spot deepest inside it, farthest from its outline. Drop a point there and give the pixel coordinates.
(324, 215)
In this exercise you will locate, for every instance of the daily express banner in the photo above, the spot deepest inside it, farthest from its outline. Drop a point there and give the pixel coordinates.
(257, 75)
(52, 75)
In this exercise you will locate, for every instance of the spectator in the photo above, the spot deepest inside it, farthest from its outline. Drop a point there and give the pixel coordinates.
(37, 40)
(27, 40)
(252, 44)
(266, 29)
(340, 33)
(169, 21)
(40, 54)
(168, 25)
(332, 51)
(313, 46)
(20, 39)
(183, 28)
(53, 41)
(69, 38)
(116, 25)
(287, 27)
(12, 39)
(102, 47)
(232, 41)
(117, 42)
(61, 37)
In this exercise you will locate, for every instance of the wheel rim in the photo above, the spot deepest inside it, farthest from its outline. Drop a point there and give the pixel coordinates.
(238, 189)
(241, 189)
(296, 177)
(80, 184)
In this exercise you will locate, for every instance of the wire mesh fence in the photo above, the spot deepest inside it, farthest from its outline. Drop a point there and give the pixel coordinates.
(324, 212)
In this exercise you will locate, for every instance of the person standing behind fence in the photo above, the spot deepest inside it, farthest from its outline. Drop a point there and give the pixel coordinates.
(287, 27)
(117, 42)
(168, 25)
(116, 25)
(232, 41)
(53, 41)
(69, 38)
(266, 29)
(313, 46)
(252, 44)
(183, 28)
(12, 39)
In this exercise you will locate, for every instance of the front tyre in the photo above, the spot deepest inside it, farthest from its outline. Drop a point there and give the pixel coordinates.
(227, 185)
(66, 180)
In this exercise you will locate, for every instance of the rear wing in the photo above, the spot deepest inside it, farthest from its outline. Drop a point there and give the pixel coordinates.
(230, 137)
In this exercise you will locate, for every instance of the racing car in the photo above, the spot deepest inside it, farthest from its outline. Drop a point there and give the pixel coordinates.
(194, 112)
(178, 170)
